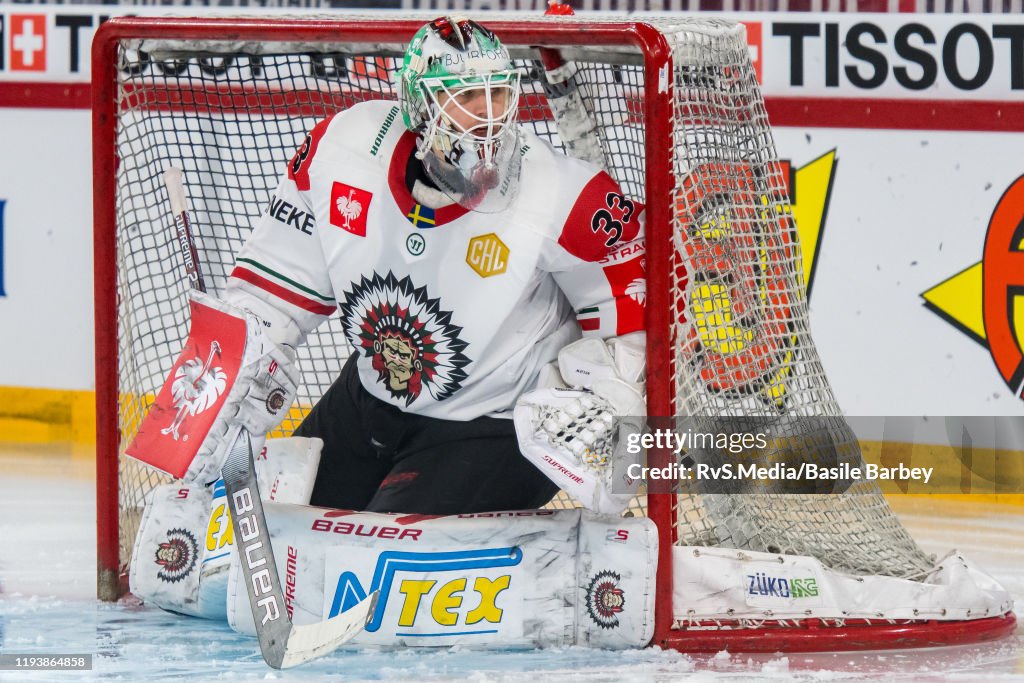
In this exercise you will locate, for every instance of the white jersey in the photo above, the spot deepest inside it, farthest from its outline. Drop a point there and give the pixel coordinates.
(452, 313)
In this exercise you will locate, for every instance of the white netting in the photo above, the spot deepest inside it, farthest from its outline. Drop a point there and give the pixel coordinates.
(231, 115)
(741, 326)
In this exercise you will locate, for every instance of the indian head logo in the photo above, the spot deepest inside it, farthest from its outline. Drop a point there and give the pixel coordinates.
(176, 556)
(605, 600)
(196, 386)
(411, 342)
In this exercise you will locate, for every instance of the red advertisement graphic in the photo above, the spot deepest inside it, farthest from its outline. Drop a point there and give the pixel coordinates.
(348, 208)
(756, 47)
(27, 43)
(629, 286)
(195, 391)
(1004, 286)
(985, 301)
(738, 262)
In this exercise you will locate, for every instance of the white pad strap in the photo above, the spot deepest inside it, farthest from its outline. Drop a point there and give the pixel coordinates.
(286, 469)
(590, 359)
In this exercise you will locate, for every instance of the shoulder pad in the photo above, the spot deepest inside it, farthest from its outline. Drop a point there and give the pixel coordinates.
(601, 218)
(360, 129)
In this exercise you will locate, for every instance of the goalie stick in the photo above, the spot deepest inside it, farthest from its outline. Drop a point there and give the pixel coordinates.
(282, 643)
(182, 230)
(573, 114)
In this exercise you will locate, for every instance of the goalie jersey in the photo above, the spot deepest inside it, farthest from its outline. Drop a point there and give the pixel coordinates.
(452, 313)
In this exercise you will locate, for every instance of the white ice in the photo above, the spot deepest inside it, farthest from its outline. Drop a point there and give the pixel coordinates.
(48, 606)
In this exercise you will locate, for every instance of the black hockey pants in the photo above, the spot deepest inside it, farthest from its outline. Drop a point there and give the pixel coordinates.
(380, 459)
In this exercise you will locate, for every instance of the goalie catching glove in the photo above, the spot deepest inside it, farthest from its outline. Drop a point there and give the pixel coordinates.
(228, 375)
(579, 436)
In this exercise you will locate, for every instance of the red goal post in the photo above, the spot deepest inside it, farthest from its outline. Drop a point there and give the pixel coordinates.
(681, 125)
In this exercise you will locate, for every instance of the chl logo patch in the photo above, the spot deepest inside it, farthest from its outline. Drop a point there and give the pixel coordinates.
(605, 600)
(487, 255)
(348, 208)
(176, 556)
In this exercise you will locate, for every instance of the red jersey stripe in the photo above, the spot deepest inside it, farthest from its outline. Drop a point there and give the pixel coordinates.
(282, 293)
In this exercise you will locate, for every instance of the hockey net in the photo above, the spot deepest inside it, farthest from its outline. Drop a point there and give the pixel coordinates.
(678, 121)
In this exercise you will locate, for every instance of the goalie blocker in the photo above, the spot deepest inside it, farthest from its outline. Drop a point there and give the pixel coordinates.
(228, 373)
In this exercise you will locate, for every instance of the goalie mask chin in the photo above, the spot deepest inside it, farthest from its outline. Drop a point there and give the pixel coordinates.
(480, 175)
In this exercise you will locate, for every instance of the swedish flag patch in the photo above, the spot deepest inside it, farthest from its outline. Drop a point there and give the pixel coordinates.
(421, 216)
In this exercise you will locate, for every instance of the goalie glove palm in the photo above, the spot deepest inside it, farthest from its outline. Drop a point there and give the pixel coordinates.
(583, 438)
(576, 438)
(229, 374)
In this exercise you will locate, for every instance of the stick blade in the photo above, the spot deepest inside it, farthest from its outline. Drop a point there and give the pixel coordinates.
(309, 641)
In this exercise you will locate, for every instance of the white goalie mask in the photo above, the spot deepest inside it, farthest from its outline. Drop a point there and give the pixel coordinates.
(459, 91)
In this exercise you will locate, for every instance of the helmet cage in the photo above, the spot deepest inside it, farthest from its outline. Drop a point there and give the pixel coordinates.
(466, 150)
(480, 141)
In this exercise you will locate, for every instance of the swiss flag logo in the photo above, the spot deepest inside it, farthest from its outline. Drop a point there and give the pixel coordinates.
(27, 42)
(348, 208)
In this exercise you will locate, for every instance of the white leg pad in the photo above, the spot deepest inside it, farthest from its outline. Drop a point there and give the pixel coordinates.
(184, 546)
(497, 580)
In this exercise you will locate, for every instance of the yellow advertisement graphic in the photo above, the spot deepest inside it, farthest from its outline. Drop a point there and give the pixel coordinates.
(810, 189)
(985, 301)
(447, 600)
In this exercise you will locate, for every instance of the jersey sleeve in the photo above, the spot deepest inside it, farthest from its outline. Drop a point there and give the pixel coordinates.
(280, 274)
(599, 260)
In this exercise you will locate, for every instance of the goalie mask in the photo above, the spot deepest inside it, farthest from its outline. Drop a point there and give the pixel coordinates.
(458, 89)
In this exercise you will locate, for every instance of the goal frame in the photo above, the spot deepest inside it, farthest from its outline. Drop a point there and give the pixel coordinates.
(657, 110)
(659, 181)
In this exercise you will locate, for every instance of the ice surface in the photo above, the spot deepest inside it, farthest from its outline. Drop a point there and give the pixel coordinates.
(48, 606)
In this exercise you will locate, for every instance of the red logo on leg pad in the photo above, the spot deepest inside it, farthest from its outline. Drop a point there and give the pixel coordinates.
(348, 208)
